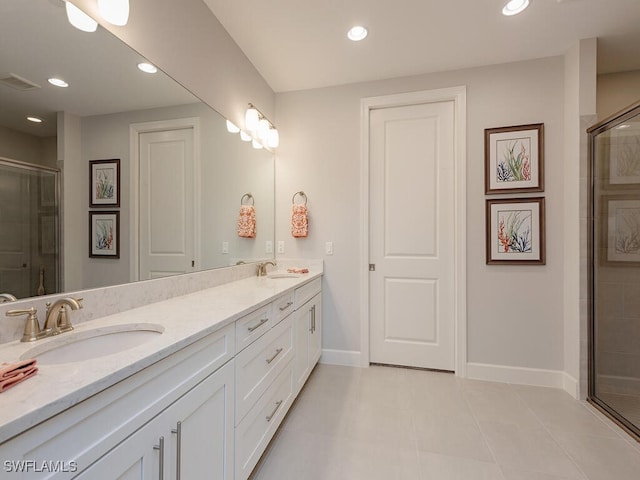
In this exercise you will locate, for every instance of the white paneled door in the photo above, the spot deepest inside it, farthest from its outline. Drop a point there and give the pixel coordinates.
(166, 203)
(412, 235)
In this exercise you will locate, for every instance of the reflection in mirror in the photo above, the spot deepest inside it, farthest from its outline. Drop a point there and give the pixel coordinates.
(182, 174)
(29, 243)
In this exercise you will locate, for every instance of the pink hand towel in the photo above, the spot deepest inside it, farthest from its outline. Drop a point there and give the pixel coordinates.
(247, 221)
(13, 373)
(299, 221)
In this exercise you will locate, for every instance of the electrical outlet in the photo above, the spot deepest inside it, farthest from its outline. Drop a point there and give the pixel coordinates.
(328, 248)
(280, 246)
(225, 247)
(268, 246)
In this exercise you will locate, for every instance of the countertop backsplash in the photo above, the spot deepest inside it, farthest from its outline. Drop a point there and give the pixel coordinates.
(100, 302)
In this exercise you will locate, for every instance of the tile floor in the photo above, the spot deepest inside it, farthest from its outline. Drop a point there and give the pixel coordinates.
(396, 424)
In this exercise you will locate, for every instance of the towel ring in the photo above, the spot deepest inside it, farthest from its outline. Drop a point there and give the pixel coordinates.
(249, 197)
(302, 194)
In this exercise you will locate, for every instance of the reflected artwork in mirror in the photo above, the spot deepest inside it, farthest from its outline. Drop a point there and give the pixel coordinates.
(182, 175)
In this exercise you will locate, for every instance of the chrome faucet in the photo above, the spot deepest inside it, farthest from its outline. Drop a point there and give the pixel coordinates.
(57, 319)
(262, 268)
(7, 297)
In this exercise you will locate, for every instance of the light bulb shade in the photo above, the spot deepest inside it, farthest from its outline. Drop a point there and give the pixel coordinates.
(244, 136)
(251, 119)
(273, 138)
(263, 129)
(115, 12)
(79, 19)
(232, 127)
(513, 7)
(256, 144)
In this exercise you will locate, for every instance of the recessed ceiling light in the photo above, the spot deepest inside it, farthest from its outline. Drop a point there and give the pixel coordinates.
(35, 119)
(147, 67)
(58, 82)
(357, 33)
(514, 7)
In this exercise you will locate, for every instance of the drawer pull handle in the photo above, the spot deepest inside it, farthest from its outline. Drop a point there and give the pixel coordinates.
(269, 417)
(282, 309)
(160, 447)
(278, 352)
(262, 322)
(178, 432)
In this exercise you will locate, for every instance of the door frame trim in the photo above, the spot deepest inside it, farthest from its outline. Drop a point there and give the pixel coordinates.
(459, 97)
(135, 129)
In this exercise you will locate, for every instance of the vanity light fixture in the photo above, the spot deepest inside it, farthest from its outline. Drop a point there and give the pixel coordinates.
(514, 7)
(79, 19)
(115, 12)
(244, 136)
(261, 127)
(357, 33)
(256, 144)
(147, 67)
(232, 127)
(35, 119)
(58, 82)
(273, 139)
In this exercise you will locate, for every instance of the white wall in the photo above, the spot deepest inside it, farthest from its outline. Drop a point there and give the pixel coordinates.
(515, 313)
(27, 148)
(185, 40)
(617, 91)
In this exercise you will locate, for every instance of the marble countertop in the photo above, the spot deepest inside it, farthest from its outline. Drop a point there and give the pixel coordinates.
(185, 319)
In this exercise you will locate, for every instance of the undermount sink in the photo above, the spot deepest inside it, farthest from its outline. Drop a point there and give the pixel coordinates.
(283, 275)
(89, 344)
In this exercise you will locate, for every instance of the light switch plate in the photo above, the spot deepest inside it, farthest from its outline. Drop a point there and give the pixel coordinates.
(280, 246)
(328, 248)
(268, 246)
(225, 247)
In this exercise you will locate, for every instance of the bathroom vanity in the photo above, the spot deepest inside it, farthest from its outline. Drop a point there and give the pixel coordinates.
(201, 398)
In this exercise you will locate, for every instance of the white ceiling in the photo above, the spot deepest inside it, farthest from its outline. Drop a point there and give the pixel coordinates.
(302, 44)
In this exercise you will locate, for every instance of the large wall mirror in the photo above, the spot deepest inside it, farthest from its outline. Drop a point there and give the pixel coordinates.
(182, 176)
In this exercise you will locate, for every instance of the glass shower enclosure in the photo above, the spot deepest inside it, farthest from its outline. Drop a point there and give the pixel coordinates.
(29, 229)
(614, 258)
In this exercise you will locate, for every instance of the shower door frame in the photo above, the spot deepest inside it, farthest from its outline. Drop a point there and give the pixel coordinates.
(608, 123)
(32, 167)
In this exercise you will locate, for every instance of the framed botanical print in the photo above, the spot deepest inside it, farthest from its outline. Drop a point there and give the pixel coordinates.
(515, 231)
(104, 183)
(622, 216)
(514, 159)
(104, 234)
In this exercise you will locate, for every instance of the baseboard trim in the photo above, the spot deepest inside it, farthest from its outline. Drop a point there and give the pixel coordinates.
(346, 358)
(523, 376)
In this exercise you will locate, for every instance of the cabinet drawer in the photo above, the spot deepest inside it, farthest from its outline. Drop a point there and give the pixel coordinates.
(260, 363)
(282, 306)
(256, 430)
(307, 291)
(252, 326)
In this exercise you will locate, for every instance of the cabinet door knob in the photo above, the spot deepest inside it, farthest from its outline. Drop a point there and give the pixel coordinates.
(160, 448)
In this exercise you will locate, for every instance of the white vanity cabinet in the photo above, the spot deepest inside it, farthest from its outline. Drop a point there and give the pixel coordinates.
(308, 339)
(189, 440)
(112, 434)
(206, 411)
